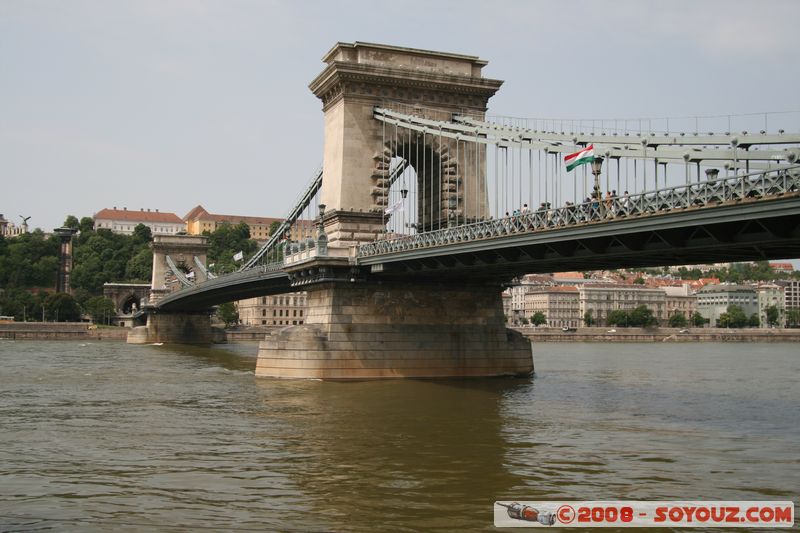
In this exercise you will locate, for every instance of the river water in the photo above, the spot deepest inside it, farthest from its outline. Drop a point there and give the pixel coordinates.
(95, 436)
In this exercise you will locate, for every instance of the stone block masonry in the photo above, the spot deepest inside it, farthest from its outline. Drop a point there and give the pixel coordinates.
(177, 328)
(371, 330)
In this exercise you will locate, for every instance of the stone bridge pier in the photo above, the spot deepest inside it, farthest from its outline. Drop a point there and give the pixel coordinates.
(360, 326)
(184, 254)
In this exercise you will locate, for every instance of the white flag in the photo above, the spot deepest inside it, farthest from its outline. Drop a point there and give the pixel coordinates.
(394, 208)
(238, 256)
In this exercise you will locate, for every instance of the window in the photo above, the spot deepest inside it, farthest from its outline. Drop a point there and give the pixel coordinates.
(263, 312)
(263, 322)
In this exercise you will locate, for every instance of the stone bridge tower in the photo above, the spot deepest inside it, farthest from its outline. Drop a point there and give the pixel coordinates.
(363, 328)
(181, 251)
(361, 76)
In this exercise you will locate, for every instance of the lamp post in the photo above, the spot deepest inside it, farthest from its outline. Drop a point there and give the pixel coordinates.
(597, 166)
(322, 238)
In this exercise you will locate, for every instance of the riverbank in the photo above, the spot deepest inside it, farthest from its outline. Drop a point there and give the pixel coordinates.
(620, 334)
(60, 331)
(86, 331)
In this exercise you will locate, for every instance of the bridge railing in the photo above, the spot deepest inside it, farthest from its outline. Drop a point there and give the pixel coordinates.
(702, 195)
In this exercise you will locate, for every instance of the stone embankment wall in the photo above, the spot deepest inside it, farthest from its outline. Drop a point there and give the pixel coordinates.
(59, 331)
(620, 334)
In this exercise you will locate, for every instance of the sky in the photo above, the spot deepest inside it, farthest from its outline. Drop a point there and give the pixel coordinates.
(172, 103)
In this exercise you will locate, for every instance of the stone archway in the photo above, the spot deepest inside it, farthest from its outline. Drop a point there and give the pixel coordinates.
(129, 305)
(436, 172)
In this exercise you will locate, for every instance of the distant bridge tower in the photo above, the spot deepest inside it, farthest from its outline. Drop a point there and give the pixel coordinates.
(176, 252)
(178, 260)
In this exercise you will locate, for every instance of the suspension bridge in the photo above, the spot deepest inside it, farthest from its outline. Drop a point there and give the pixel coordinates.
(425, 207)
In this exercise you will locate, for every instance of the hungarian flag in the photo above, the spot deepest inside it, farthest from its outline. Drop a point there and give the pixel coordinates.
(580, 158)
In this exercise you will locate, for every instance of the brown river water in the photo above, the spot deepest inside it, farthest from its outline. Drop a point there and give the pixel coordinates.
(101, 436)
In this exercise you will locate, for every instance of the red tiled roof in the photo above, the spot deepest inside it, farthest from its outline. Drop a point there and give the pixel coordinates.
(137, 216)
(568, 275)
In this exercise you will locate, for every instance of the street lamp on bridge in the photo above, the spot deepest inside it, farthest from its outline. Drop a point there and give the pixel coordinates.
(597, 166)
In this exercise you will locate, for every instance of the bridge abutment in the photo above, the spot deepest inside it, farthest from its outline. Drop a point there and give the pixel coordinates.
(372, 330)
(177, 328)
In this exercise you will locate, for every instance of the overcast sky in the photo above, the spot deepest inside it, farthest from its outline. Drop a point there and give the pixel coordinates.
(169, 104)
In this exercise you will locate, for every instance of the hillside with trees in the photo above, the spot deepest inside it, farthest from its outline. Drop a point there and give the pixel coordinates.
(29, 265)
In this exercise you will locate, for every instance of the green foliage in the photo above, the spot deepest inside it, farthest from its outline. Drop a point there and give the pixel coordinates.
(698, 320)
(72, 222)
(523, 321)
(28, 260)
(226, 241)
(754, 321)
(21, 304)
(618, 317)
(793, 317)
(102, 256)
(737, 273)
(773, 315)
(678, 320)
(100, 308)
(274, 227)
(142, 234)
(86, 224)
(642, 317)
(734, 317)
(538, 318)
(588, 318)
(140, 266)
(227, 313)
(639, 281)
(61, 307)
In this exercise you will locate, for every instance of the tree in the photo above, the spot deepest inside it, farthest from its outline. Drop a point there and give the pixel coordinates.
(274, 227)
(734, 317)
(71, 222)
(678, 320)
(226, 241)
(140, 266)
(588, 318)
(142, 233)
(639, 281)
(773, 315)
(793, 317)
(227, 313)
(754, 321)
(642, 316)
(618, 317)
(61, 307)
(86, 224)
(698, 320)
(523, 321)
(538, 318)
(100, 308)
